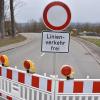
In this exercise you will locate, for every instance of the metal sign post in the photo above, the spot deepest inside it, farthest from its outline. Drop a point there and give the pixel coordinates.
(56, 17)
(55, 42)
(54, 64)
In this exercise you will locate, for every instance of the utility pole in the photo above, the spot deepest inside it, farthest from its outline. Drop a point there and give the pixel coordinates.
(2, 25)
(12, 18)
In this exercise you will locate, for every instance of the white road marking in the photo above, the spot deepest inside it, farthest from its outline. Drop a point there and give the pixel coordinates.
(42, 54)
(88, 77)
(45, 74)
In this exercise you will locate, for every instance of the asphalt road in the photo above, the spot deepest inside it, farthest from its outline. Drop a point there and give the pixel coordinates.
(83, 63)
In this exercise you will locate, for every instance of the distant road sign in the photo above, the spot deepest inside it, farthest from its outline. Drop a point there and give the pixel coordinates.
(57, 42)
(57, 16)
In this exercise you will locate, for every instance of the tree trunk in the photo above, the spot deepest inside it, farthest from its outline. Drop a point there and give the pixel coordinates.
(2, 26)
(12, 18)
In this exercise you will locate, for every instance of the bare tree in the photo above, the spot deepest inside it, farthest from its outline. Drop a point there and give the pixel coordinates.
(2, 29)
(12, 18)
(11, 7)
(16, 5)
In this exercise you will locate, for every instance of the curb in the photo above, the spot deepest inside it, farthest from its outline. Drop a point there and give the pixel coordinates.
(92, 54)
(15, 45)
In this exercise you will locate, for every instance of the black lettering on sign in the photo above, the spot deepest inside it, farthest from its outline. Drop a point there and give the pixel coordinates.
(49, 36)
(54, 48)
(55, 42)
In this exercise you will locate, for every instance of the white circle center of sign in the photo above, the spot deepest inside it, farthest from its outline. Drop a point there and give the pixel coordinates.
(57, 16)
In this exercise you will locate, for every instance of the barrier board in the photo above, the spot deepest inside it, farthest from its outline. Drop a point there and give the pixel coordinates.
(19, 85)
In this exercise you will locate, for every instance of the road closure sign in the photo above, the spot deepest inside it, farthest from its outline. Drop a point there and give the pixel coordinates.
(55, 42)
(56, 16)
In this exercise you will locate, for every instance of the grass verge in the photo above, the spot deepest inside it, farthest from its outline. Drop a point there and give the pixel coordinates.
(10, 40)
(95, 41)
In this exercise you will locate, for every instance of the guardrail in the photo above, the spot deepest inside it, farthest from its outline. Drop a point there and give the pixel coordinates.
(19, 85)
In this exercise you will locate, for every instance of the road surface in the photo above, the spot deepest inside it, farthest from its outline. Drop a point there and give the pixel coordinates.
(83, 63)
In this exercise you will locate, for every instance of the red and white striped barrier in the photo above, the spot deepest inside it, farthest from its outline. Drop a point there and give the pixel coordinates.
(79, 86)
(25, 86)
(35, 81)
(4, 96)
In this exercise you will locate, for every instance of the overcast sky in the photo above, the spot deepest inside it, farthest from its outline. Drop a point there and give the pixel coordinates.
(82, 10)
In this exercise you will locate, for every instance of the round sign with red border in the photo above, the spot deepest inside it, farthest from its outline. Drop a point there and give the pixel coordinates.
(57, 16)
